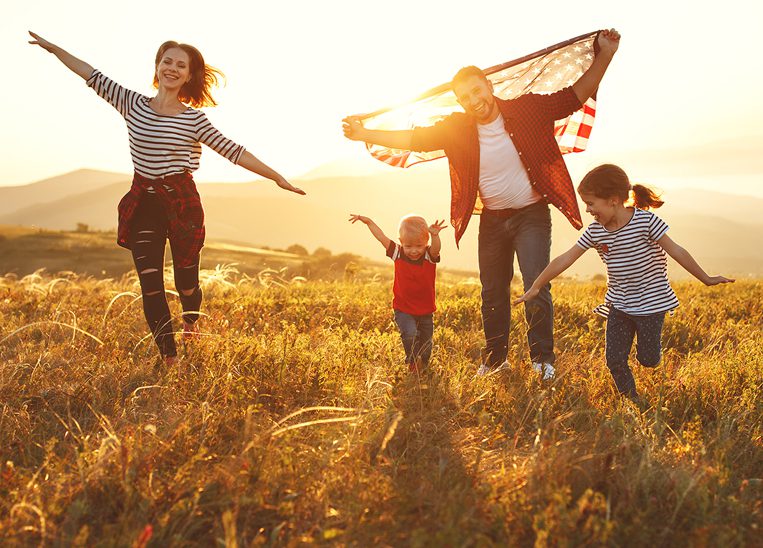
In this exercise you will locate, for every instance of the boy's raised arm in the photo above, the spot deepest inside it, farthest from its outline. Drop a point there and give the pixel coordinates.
(434, 230)
(685, 259)
(375, 230)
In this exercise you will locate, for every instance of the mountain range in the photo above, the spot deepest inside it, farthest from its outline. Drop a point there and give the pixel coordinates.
(722, 231)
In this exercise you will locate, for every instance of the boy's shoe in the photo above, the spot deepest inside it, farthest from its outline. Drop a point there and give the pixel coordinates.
(546, 368)
(485, 370)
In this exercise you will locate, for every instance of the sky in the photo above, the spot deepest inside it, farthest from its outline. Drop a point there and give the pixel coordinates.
(680, 102)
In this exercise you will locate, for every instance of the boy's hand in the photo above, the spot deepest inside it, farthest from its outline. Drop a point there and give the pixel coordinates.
(436, 227)
(609, 40)
(530, 295)
(361, 218)
(715, 280)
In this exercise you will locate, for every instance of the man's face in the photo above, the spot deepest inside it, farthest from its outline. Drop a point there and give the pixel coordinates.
(475, 95)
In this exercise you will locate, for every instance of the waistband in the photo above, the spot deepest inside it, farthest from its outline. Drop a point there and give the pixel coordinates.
(509, 211)
(172, 179)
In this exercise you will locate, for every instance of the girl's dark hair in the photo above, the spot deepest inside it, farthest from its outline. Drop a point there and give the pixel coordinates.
(609, 180)
(195, 92)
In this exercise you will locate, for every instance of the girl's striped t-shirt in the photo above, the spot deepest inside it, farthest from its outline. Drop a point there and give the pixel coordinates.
(162, 144)
(637, 267)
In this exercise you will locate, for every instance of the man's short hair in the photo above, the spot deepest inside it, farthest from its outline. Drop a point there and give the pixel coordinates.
(467, 72)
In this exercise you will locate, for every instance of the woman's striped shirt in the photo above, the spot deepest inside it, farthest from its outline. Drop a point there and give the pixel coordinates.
(163, 144)
(637, 267)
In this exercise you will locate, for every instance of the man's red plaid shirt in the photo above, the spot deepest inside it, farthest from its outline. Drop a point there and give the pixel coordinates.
(529, 121)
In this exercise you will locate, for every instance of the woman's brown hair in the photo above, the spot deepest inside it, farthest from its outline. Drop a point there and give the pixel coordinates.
(609, 180)
(195, 92)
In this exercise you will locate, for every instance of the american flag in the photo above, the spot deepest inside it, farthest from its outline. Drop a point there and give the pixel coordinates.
(545, 71)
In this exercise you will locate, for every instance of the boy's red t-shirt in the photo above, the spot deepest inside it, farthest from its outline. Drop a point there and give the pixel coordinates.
(413, 288)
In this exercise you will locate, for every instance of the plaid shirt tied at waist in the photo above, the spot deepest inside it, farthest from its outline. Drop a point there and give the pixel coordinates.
(180, 200)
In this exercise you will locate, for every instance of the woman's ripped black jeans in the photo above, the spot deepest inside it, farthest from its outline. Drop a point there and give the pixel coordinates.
(148, 237)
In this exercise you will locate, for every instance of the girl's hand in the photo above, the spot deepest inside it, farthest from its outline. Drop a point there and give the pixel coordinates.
(715, 280)
(436, 227)
(286, 185)
(354, 217)
(530, 295)
(40, 41)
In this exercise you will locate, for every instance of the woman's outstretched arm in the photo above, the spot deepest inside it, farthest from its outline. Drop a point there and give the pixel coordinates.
(250, 162)
(77, 66)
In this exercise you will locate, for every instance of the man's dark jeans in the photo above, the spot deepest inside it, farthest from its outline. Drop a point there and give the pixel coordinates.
(528, 234)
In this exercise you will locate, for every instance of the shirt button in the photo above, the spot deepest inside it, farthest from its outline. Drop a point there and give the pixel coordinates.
(520, 153)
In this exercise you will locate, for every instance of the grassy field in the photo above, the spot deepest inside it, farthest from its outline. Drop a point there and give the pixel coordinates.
(293, 420)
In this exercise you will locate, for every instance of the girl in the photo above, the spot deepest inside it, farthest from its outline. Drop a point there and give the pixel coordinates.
(165, 136)
(632, 242)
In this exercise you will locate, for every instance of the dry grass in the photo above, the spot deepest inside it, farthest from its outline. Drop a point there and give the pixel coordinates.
(293, 420)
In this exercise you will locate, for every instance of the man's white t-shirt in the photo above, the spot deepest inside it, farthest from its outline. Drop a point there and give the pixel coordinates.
(503, 179)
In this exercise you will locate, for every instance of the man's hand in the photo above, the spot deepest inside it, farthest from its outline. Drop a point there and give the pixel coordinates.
(353, 128)
(608, 42)
(436, 227)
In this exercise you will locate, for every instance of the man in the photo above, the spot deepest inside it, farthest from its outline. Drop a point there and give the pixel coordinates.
(506, 152)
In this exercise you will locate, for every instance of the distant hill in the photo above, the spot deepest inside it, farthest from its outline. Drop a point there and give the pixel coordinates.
(14, 198)
(721, 230)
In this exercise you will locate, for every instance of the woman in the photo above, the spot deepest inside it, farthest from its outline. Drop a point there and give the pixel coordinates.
(165, 135)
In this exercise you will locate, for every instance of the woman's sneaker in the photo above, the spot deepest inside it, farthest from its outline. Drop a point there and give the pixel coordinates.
(546, 369)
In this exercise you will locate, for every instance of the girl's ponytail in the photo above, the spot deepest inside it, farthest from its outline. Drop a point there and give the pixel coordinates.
(644, 197)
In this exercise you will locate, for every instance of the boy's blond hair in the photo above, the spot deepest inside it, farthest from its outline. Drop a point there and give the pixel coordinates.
(414, 226)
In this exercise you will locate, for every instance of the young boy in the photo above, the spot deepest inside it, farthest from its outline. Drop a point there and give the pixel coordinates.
(413, 289)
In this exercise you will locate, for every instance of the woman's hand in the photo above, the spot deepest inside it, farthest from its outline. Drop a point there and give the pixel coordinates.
(286, 185)
(42, 42)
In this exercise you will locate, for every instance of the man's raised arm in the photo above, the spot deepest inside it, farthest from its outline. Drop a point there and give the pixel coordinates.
(608, 41)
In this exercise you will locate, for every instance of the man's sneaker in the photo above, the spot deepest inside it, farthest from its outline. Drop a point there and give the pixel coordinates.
(485, 369)
(546, 368)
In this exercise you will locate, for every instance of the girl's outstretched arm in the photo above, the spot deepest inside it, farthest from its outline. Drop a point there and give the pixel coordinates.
(554, 268)
(685, 259)
(250, 162)
(373, 227)
(77, 66)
